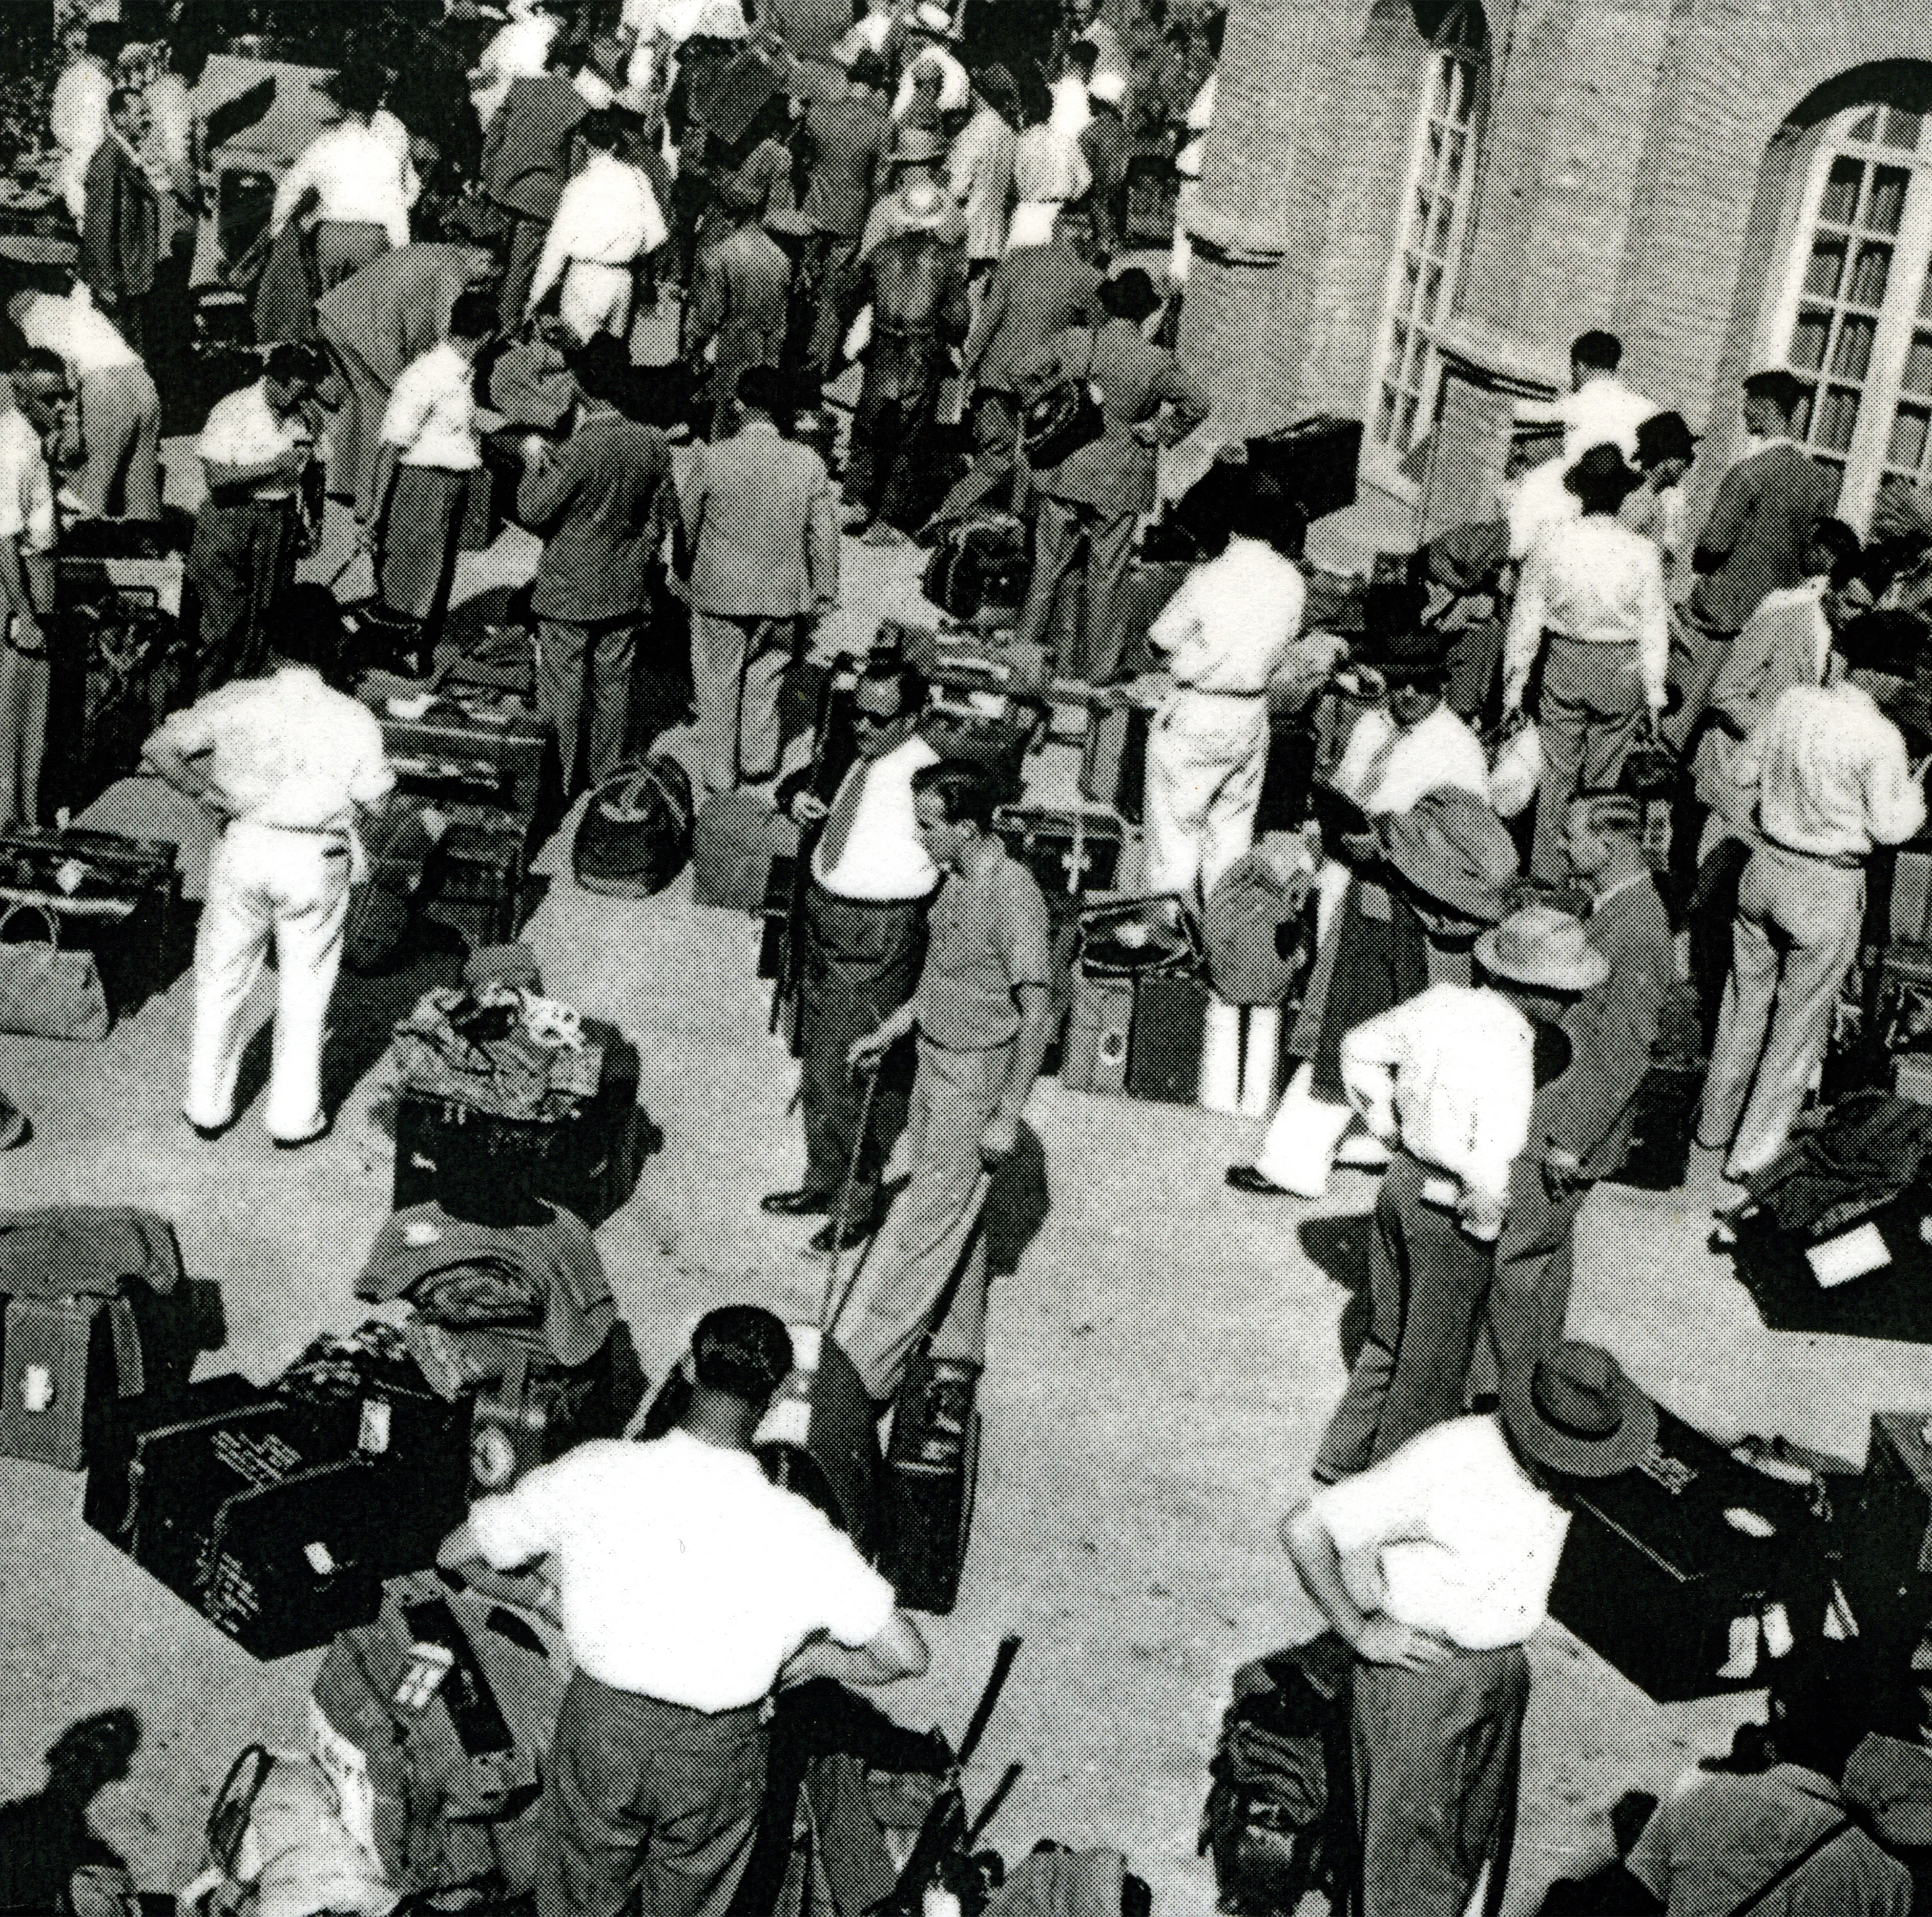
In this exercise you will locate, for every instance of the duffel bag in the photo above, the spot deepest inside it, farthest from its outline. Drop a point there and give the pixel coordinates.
(636, 833)
(980, 562)
(45, 992)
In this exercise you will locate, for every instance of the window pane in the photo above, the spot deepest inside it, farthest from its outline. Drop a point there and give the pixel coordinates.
(1907, 447)
(1385, 413)
(1808, 338)
(1869, 273)
(1841, 199)
(1917, 377)
(1826, 271)
(1901, 130)
(1851, 357)
(1864, 128)
(1838, 414)
(1887, 200)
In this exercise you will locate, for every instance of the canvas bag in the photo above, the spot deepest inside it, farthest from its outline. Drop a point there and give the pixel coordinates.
(45, 992)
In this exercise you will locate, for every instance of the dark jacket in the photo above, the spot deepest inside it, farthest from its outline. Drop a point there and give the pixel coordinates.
(1753, 542)
(1115, 473)
(527, 151)
(1035, 292)
(600, 502)
(121, 227)
(1104, 140)
(738, 297)
(840, 143)
(1612, 1030)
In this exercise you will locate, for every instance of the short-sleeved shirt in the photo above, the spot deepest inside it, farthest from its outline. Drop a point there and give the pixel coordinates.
(988, 934)
(26, 487)
(1465, 1546)
(683, 1574)
(244, 430)
(431, 416)
(287, 750)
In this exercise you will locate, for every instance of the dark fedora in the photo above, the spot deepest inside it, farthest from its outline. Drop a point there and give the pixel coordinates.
(1416, 654)
(1454, 850)
(1602, 479)
(1577, 1414)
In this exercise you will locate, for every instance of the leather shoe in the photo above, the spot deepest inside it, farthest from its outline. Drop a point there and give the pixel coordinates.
(803, 1203)
(1245, 1178)
(857, 1230)
(296, 1145)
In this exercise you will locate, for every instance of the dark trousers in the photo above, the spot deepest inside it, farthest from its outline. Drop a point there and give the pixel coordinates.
(1713, 905)
(527, 240)
(891, 431)
(1535, 1268)
(860, 963)
(1437, 1759)
(650, 1794)
(818, 294)
(1069, 541)
(418, 548)
(1428, 1281)
(241, 562)
(584, 688)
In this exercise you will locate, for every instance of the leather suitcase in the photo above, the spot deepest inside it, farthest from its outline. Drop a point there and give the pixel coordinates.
(1654, 1572)
(475, 880)
(113, 1463)
(737, 836)
(1113, 762)
(1070, 852)
(1170, 1021)
(115, 897)
(588, 1163)
(931, 1476)
(288, 1565)
(477, 753)
(1314, 462)
(1659, 1156)
(1097, 1031)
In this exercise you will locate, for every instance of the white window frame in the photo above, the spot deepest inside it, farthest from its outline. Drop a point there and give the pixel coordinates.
(1865, 458)
(1462, 39)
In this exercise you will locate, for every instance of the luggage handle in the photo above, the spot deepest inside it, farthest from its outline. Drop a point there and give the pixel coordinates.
(63, 907)
(235, 1804)
(46, 917)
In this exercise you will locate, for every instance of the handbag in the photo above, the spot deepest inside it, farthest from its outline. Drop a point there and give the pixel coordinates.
(1057, 423)
(45, 992)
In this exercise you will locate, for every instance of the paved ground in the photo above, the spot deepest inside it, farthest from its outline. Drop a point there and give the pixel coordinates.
(1160, 1369)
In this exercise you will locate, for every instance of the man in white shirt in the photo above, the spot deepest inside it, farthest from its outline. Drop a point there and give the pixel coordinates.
(118, 409)
(287, 762)
(32, 422)
(606, 220)
(1072, 110)
(77, 116)
(863, 927)
(690, 1588)
(1591, 604)
(1049, 172)
(360, 182)
(520, 48)
(429, 451)
(1448, 1080)
(254, 451)
(1224, 633)
(1826, 774)
(1436, 1566)
(1599, 410)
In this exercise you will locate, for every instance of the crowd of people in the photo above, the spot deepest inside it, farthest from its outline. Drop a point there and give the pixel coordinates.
(1488, 970)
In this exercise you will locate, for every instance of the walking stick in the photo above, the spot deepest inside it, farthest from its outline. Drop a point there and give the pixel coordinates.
(842, 1210)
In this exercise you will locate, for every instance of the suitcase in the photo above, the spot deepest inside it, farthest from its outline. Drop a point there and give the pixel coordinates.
(997, 740)
(1653, 1572)
(1070, 852)
(1658, 1159)
(1909, 906)
(1170, 1021)
(476, 753)
(1097, 1031)
(115, 897)
(1113, 761)
(108, 1505)
(932, 1474)
(1886, 1569)
(588, 1163)
(1313, 462)
(288, 1565)
(476, 880)
(46, 1363)
(541, 1409)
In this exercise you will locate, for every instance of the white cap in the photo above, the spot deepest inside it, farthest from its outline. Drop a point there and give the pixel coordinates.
(1110, 88)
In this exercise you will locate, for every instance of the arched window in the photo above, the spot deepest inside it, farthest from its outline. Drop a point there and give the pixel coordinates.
(1854, 313)
(1427, 271)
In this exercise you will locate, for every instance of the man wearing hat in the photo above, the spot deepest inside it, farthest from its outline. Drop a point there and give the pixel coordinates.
(1665, 449)
(1366, 942)
(841, 147)
(1035, 293)
(1446, 1081)
(915, 284)
(913, 159)
(607, 220)
(1591, 609)
(1104, 142)
(1580, 1125)
(1088, 507)
(1436, 1566)
(933, 86)
(739, 291)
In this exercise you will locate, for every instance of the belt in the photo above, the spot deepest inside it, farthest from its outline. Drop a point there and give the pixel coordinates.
(1846, 862)
(306, 832)
(868, 905)
(232, 499)
(1216, 692)
(1570, 638)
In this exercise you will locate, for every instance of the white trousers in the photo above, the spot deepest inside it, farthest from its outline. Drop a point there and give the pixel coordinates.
(594, 299)
(292, 887)
(1205, 756)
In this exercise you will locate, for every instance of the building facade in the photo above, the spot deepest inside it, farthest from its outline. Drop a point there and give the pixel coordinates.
(1406, 215)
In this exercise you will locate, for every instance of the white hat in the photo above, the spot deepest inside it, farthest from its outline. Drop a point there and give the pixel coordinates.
(930, 17)
(1110, 88)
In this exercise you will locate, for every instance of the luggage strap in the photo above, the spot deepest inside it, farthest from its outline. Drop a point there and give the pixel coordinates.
(1790, 1868)
(622, 797)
